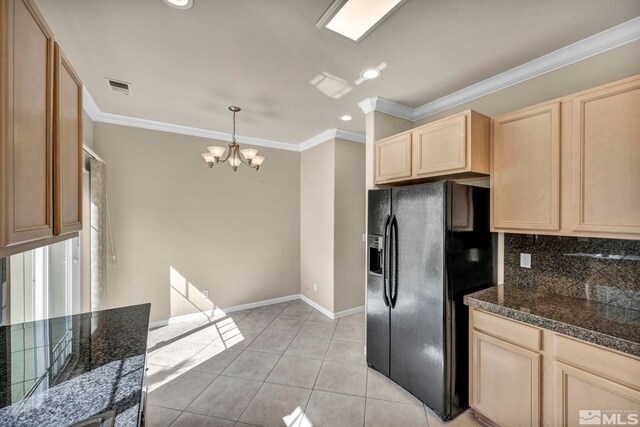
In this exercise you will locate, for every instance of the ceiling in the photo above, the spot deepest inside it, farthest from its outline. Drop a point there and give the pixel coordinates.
(292, 79)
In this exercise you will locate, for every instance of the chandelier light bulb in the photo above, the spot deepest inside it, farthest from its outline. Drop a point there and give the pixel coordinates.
(249, 153)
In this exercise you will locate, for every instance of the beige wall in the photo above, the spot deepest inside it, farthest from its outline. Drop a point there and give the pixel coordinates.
(349, 256)
(332, 224)
(317, 183)
(87, 130)
(85, 234)
(180, 227)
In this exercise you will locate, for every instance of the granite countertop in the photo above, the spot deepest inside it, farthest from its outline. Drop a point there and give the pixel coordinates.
(59, 371)
(614, 327)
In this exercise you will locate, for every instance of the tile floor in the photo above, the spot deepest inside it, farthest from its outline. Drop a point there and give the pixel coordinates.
(280, 365)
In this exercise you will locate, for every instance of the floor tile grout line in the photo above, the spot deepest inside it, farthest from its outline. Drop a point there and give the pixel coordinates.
(276, 364)
(366, 391)
(304, 320)
(220, 374)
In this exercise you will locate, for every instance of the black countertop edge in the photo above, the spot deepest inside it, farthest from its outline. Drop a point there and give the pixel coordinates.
(609, 326)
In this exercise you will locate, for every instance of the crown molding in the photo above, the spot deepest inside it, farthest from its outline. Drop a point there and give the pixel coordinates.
(350, 136)
(329, 134)
(89, 105)
(368, 105)
(189, 130)
(92, 109)
(611, 38)
(386, 106)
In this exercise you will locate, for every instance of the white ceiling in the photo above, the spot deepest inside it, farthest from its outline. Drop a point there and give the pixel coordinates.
(268, 57)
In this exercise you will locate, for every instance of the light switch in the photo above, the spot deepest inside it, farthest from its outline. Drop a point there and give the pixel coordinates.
(525, 260)
(205, 294)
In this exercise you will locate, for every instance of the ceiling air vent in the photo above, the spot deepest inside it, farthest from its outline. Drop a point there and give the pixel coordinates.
(119, 86)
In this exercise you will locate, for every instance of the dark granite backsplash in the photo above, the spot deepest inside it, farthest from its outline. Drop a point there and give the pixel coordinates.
(604, 270)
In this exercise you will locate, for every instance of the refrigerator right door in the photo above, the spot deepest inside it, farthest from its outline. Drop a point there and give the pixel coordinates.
(418, 341)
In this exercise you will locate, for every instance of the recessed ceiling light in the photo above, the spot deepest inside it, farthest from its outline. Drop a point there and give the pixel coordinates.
(346, 118)
(180, 4)
(355, 19)
(371, 73)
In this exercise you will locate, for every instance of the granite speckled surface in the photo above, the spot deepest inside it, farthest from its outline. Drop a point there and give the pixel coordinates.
(60, 371)
(602, 270)
(608, 325)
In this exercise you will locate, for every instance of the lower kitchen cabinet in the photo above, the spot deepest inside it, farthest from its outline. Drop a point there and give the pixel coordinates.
(521, 375)
(506, 381)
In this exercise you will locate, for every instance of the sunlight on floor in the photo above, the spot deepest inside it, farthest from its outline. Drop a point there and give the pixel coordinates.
(284, 365)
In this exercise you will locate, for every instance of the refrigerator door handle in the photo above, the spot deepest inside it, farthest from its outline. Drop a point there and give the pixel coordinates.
(393, 235)
(385, 267)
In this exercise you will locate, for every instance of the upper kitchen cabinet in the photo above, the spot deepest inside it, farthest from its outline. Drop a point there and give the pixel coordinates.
(393, 158)
(570, 166)
(26, 115)
(456, 146)
(67, 147)
(606, 159)
(526, 169)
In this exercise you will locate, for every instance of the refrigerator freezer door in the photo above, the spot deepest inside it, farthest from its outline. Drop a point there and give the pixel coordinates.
(377, 310)
(417, 352)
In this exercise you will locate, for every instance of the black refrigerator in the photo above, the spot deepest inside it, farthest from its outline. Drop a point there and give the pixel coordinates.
(429, 245)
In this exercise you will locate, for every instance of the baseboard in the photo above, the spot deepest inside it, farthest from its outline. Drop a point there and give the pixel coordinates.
(348, 312)
(330, 314)
(317, 306)
(204, 315)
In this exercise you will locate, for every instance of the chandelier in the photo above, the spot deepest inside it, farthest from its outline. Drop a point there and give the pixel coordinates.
(235, 155)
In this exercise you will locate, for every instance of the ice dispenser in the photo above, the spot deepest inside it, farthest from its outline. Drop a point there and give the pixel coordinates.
(376, 254)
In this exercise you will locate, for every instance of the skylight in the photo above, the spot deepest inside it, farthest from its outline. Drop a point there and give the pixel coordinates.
(354, 19)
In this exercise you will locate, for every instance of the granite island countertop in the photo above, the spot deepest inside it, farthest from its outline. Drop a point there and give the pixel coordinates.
(607, 325)
(59, 371)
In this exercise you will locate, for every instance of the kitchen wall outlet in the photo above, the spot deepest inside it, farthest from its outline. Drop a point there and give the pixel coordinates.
(315, 287)
(205, 294)
(525, 260)
(364, 237)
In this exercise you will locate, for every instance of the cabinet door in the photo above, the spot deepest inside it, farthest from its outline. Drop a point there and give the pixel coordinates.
(26, 88)
(441, 146)
(505, 381)
(585, 398)
(606, 160)
(393, 158)
(526, 169)
(67, 147)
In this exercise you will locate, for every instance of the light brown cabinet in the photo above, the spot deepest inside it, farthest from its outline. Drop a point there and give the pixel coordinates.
(454, 146)
(26, 94)
(570, 166)
(606, 160)
(393, 158)
(38, 172)
(526, 169)
(506, 381)
(67, 147)
(521, 375)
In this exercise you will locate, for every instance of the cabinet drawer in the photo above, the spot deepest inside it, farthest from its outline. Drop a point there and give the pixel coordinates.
(615, 366)
(508, 330)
